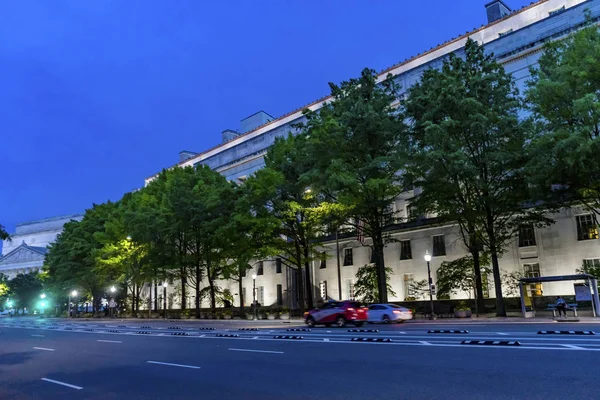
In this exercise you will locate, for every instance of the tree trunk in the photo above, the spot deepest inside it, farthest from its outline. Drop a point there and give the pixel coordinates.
(155, 296)
(380, 263)
(133, 298)
(500, 310)
(309, 289)
(211, 285)
(478, 283)
(197, 289)
(183, 291)
(241, 291)
(299, 286)
(337, 256)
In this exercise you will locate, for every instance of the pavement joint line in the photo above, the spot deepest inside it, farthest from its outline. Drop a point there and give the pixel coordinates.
(62, 383)
(258, 351)
(109, 341)
(173, 365)
(571, 346)
(43, 348)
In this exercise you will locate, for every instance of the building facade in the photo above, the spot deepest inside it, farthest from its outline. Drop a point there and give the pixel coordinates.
(24, 252)
(516, 38)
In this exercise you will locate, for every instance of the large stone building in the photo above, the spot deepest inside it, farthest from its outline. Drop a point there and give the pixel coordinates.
(516, 38)
(24, 252)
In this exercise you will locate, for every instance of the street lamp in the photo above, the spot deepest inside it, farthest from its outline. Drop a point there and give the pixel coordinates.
(113, 289)
(428, 259)
(43, 296)
(254, 296)
(73, 294)
(165, 299)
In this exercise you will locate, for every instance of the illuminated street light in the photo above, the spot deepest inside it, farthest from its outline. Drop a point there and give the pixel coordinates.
(74, 293)
(43, 296)
(113, 289)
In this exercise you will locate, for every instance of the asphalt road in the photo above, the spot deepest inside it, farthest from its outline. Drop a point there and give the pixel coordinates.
(114, 361)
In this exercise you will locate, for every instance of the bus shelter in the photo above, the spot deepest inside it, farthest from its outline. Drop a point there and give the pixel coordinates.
(590, 280)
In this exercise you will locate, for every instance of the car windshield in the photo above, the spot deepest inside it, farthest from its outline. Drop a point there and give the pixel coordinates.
(354, 304)
(395, 306)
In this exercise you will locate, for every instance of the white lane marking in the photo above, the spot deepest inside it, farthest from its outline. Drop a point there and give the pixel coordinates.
(328, 331)
(425, 343)
(43, 348)
(38, 335)
(109, 341)
(258, 351)
(62, 383)
(570, 346)
(201, 335)
(402, 333)
(173, 365)
(326, 340)
(502, 333)
(255, 337)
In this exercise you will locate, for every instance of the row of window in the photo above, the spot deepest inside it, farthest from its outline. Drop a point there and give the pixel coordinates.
(587, 229)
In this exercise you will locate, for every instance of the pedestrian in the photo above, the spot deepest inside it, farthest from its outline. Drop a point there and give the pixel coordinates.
(561, 306)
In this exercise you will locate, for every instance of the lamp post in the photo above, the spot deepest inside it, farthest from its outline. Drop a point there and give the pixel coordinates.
(112, 303)
(165, 299)
(254, 296)
(428, 259)
(42, 303)
(73, 294)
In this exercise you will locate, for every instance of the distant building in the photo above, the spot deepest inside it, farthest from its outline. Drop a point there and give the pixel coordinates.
(24, 252)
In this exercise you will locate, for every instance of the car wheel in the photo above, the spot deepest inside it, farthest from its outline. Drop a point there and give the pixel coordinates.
(310, 321)
(340, 322)
(327, 325)
(386, 319)
(358, 324)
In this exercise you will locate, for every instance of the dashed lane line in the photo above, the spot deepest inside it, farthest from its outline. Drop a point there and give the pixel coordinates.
(43, 348)
(173, 365)
(38, 335)
(62, 383)
(258, 351)
(109, 341)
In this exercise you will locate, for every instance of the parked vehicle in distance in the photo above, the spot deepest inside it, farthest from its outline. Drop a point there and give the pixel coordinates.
(339, 313)
(387, 313)
(4, 313)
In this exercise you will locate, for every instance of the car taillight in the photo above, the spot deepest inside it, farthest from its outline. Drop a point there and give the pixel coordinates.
(397, 312)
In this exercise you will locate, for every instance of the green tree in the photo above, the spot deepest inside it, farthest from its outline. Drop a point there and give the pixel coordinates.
(358, 149)
(564, 97)
(469, 152)
(25, 290)
(3, 234)
(366, 287)
(458, 276)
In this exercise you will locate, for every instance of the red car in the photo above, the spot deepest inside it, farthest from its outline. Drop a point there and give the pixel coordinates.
(337, 312)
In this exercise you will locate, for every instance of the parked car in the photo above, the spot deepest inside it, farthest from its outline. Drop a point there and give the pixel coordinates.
(337, 312)
(4, 313)
(387, 313)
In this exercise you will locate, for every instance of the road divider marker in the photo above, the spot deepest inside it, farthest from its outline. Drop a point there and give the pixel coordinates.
(371, 339)
(43, 348)
(364, 330)
(121, 326)
(258, 351)
(109, 341)
(114, 331)
(173, 365)
(62, 383)
(447, 331)
(174, 327)
(180, 333)
(145, 327)
(566, 333)
(143, 332)
(227, 335)
(288, 337)
(491, 342)
(248, 329)
(298, 330)
(206, 329)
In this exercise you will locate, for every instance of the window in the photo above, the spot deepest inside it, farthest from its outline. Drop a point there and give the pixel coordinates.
(405, 250)
(260, 297)
(350, 288)
(323, 289)
(261, 269)
(591, 264)
(439, 247)
(278, 265)
(408, 280)
(526, 235)
(323, 260)
(587, 227)
(557, 11)
(348, 259)
(533, 271)
(279, 295)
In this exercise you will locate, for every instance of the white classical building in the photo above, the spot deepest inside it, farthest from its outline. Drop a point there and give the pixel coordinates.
(516, 38)
(24, 252)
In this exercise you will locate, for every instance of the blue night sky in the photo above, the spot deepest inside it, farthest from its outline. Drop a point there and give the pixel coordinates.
(96, 95)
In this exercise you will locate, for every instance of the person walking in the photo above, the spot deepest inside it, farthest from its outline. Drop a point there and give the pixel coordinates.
(561, 306)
